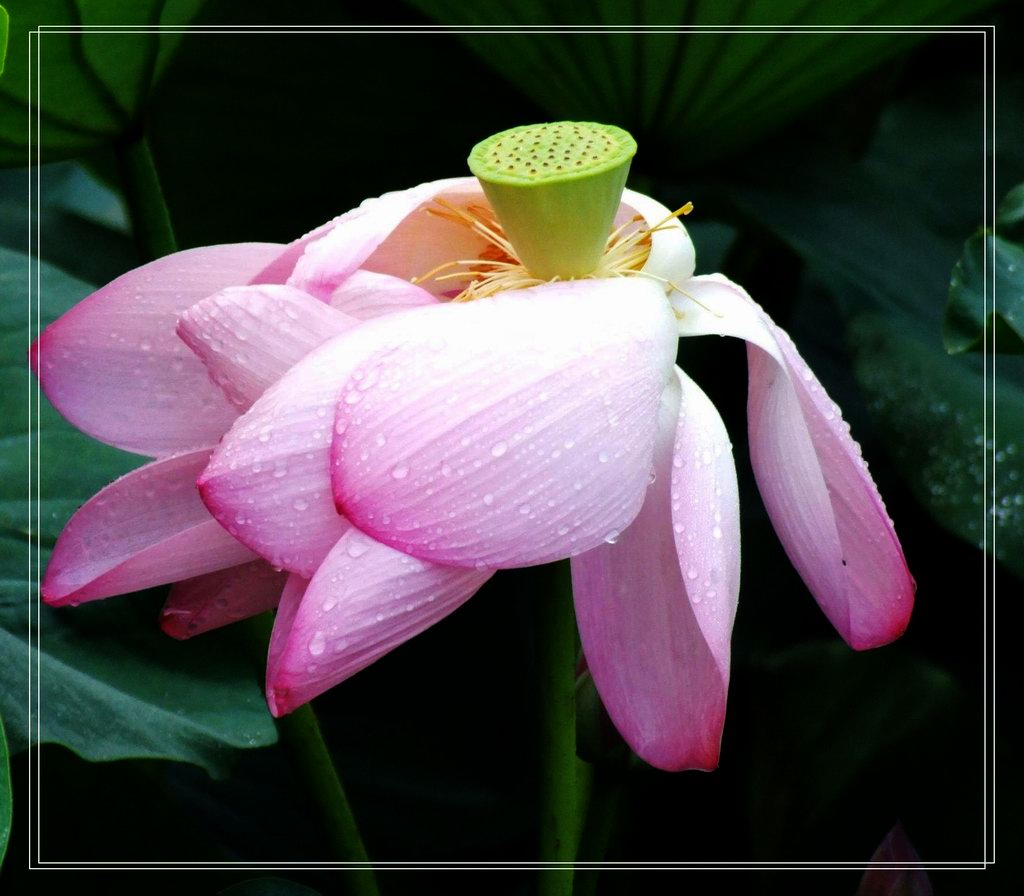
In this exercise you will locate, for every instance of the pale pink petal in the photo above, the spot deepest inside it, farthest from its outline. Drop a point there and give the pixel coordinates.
(291, 598)
(573, 370)
(816, 487)
(360, 238)
(250, 336)
(269, 479)
(365, 295)
(116, 369)
(147, 528)
(672, 257)
(364, 601)
(506, 431)
(655, 609)
(209, 601)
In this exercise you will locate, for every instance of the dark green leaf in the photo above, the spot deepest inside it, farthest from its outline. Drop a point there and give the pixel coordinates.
(113, 686)
(825, 715)
(688, 95)
(91, 86)
(1010, 216)
(976, 321)
(930, 411)
(4, 26)
(268, 886)
(5, 788)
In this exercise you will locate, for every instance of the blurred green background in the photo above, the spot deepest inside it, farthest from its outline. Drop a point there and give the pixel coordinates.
(840, 175)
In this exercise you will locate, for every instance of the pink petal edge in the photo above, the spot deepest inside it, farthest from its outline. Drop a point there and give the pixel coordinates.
(363, 601)
(209, 601)
(147, 528)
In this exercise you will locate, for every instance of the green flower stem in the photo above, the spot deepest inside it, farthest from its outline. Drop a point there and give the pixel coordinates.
(299, 732)
(304, 743)
(151, 222)
(311, 760)
(556, 659)
(607, 786)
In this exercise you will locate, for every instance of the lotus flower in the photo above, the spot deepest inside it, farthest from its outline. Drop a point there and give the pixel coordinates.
(386, 411)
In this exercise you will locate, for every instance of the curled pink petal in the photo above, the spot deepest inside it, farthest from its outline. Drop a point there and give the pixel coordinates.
(365, 295)
(506, 431)
(363, 601)
(360, 238)
(655, 609)
(249, 336)
(206, 602)
(816, 487)
(147, 528)
(672, 256)
(115, 368)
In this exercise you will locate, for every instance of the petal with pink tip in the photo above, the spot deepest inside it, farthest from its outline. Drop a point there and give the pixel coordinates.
(206, 602)
(506, 431)
(391, 234)
(365, 295)
(816, 487)
(116, 369)
(364, 600)
(655, 609)
(147, 528)
(250, 336)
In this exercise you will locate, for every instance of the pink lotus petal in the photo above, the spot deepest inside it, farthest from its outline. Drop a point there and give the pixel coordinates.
(364, 601)
(360, 239)
(655, 609)
(815, 484)
(506, 431)
(206, 602)
(249, 336)
(672, 257)
(269, 479)
(115, 368)
(291, 599)
(147, 528)
(366, 295)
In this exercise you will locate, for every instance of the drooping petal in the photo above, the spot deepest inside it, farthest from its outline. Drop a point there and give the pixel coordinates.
(360, 238)
(364, 600)
(506, 431)
(672, 257)
(366, 295)
(206, 602)
(250, 336)
(146, 528)
(655, 609)
(816, 487)
(114, 366)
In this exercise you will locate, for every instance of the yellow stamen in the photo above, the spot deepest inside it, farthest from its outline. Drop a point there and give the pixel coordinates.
(499, 269)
